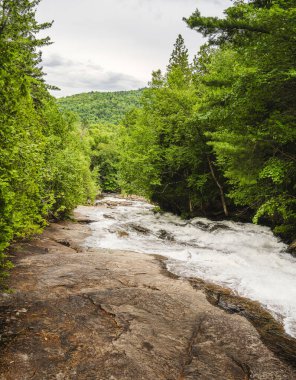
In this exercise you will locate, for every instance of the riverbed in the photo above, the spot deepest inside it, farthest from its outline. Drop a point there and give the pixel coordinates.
(78, 312)
(246, 258)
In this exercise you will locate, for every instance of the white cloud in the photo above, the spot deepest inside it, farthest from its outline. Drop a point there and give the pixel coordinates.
(75, 77)
(101, 41)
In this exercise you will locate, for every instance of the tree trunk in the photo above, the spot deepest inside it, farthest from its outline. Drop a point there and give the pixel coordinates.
(190, 205)
(222, 195)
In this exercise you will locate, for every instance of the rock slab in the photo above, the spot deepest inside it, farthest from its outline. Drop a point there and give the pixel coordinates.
(113, 315)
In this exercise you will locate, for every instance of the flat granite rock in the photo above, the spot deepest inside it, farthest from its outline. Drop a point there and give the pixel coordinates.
(79, 313)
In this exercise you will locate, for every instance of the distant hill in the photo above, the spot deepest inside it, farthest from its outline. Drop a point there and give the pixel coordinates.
(101, 107)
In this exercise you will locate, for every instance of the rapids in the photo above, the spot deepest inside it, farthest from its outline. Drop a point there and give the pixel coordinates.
(246, 258)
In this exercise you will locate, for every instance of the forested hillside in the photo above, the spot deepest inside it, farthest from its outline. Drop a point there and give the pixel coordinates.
(101, 107)
(44, 155)
(217, 136)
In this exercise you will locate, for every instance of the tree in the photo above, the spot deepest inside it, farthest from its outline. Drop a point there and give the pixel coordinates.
(249, 96)
(165, 152)
(40, 177)
(179, 56)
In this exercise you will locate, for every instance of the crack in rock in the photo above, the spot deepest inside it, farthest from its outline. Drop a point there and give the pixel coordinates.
(120, 323)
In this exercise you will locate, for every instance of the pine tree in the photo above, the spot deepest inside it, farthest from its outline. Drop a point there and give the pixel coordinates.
(249, 93)
(179, 56)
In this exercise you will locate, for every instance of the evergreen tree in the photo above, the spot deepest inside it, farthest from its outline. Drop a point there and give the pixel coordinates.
(223, 127)
(44, 168)
(165, 154)
(179, 60)
(179, 56)
(249, 96)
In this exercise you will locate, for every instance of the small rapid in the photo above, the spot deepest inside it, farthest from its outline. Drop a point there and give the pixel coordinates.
(246, 258)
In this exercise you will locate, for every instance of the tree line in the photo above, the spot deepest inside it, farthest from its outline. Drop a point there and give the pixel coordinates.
(101, 107)
(44, 154)
(216, 136)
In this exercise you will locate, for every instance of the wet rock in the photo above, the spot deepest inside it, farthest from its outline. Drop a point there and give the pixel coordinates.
(85, 221)
(118, 231)
(202, 224)
(113, 203)
(271, 331)
(122, 233)
(218, 226)
(66, 243)
(165, 235)
(292, 248)
(103, 314)
(137, 198)
(209, 226)
(106, 216)
(138, 228)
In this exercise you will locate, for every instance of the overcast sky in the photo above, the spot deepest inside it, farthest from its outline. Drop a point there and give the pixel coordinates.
(108, 45)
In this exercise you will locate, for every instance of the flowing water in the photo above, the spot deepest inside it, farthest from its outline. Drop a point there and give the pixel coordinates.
(246, 258)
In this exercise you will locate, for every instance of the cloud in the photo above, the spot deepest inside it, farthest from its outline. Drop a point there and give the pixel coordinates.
(215, 2)
(115, 45)
(55, 60)
(78, 76)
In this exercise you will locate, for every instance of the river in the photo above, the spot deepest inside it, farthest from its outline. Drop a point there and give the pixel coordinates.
(246, 258)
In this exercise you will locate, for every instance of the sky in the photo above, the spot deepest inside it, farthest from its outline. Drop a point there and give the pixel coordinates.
(114, 45)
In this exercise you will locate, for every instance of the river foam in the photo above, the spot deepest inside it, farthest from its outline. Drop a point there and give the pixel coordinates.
(246, 258)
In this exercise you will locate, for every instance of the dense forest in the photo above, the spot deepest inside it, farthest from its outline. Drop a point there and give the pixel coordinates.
(101, 107)
(213, 137)
(216, 136)
(44, 154)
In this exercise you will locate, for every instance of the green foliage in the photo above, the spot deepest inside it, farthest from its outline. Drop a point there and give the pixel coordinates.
(139, 155)
(105, 155)
(164, 151)
(44, 164)
(68, 180)
(101, 107)
(249, 93)
(222, 131)
(101, 114)
(179, 58)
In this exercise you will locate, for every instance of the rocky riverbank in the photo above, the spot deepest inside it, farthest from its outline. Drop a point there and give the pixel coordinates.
(79, 313)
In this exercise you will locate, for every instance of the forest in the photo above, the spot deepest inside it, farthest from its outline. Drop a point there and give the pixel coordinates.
(44, 155)
(222, 128)
(214, 137)
(101, 107)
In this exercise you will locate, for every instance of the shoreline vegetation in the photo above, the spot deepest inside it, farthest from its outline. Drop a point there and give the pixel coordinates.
(44, 155)
(214, 137)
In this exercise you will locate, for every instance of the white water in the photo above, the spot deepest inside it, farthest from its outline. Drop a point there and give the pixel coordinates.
(243, 257)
